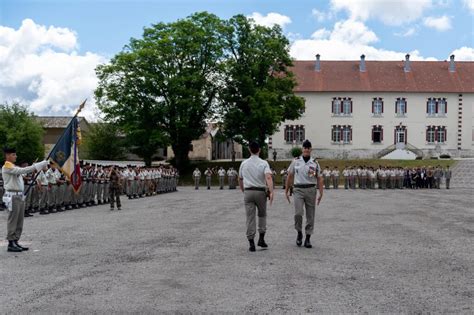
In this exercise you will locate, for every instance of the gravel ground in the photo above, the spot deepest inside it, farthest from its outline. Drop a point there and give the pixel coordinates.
(373, 251)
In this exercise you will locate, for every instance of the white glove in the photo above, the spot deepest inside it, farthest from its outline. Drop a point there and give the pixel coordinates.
(39, 166)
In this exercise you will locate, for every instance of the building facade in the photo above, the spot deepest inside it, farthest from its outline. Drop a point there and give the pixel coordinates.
(366, 109)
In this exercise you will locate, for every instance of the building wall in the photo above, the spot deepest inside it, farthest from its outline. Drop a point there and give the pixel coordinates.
(318, 120)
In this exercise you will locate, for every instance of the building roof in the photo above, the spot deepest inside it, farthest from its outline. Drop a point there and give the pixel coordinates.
(49, 122)
(384, 76)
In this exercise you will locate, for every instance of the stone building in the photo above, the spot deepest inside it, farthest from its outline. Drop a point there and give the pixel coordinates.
(366, 109)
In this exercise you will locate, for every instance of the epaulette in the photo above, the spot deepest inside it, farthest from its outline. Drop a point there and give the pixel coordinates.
(8, 165)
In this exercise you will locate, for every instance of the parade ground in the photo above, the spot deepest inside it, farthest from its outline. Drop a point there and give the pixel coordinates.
(375, 251)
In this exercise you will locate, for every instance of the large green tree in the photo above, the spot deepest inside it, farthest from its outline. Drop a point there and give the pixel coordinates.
(18, 128)
(259, 84)
(104, 142)
(162, 87)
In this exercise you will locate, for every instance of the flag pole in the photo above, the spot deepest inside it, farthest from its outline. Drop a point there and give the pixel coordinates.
(60, 138)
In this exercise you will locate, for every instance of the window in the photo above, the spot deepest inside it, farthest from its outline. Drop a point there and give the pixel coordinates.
(347, 106)
(430, 134)
(294, 133)
(341, 134)
(377, 106)
(342, 106)
(400, 134)
(336, 133)
(431, 107)
(442, 107)
(401, 106)
(336, 106)
(377, 134)
(346, 134)
(436, 134)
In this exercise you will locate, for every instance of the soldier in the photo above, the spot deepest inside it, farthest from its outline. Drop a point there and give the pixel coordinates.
(284, 176)
(345, 174)
(231, 178)
(196, 177)
(447, 176)
(27, 181)
(13, 197)
(383, 176)
(43, 191)
(221, 172)
(327, 177)
(114, 188)
(438, 174)
(208, 174)
(353, 177)
(363, 177)
(305, 172)
(335, 178)
(255, 177)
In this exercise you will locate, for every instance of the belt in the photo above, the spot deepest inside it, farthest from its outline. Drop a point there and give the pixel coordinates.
(13, 193)
(305, 186)
(255, 188)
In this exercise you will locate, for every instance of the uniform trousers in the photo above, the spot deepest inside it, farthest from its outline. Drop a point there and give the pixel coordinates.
(255, 204)
(305, 199)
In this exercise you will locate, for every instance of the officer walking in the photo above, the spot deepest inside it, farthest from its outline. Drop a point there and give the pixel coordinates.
(304, 172)
(255, 177)
(13, 197)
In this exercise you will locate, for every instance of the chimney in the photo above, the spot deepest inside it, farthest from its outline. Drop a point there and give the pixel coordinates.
(452, 65)
(317, 66)
(362, 63)
(407, 63)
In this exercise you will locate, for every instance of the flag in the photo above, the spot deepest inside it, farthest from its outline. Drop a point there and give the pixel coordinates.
(65, 154)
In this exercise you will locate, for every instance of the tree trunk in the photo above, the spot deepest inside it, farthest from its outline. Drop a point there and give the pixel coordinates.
(181, 156)
(147, 160)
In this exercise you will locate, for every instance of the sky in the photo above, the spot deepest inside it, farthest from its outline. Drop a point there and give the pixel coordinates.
(50, 48)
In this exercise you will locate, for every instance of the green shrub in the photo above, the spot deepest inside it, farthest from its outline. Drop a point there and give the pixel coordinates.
(296, 151)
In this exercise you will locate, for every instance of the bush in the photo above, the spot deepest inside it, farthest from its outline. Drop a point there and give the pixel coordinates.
(296, 151)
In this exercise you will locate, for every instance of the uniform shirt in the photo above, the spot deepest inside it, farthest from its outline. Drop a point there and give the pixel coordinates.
(345, 173)
(221, 172)
(326, 173)
(208, 173)
(51, 177)
(371, 174)
(12, 179)
(363, 173)
(41, 179)
(197, 173)
(230, 173)
(131, 175)
(447, 174)
(301, 170)
(253, 170)
(335, 173)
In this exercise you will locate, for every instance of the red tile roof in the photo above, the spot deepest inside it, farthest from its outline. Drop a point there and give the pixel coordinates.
(384, 76)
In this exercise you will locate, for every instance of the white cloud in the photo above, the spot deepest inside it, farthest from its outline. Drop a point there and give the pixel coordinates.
(389, 12)
(41, 68)
(443, 23)
(352, 31)
(270, 19)
(469, 4)
(321, 34)
(322, 16)
(347, 41)
(409, 32)
(463, 54)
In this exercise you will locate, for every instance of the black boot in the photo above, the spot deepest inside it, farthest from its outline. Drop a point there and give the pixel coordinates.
(13, 248)
(261, 241)
(252, 245)
(307, 242)
(21, 247)
(28, 213)
(299, 238)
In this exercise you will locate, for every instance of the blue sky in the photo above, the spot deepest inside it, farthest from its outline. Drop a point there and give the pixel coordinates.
(40, 39)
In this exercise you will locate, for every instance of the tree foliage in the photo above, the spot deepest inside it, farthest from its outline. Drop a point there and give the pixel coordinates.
(162, 87)
(259, 86)
(19, 129)
(103, 142)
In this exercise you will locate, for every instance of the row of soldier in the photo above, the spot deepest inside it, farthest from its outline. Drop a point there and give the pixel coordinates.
(52, 191)
(384, 177)
(221, 173)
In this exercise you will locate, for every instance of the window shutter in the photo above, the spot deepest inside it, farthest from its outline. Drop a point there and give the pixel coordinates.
(373, 130)
(285, 136)
(351, 106)
(332, 105)
(350, 130)
(381, 134)
(406, 108)
(437, 106)
(428, 106)
(332, 133)
(395, 136)
(436, 134)
(342, 106)
(427, 137)
(382, 105)
(396, 105)
(445, 134)
(406, 136)
(373, 106)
